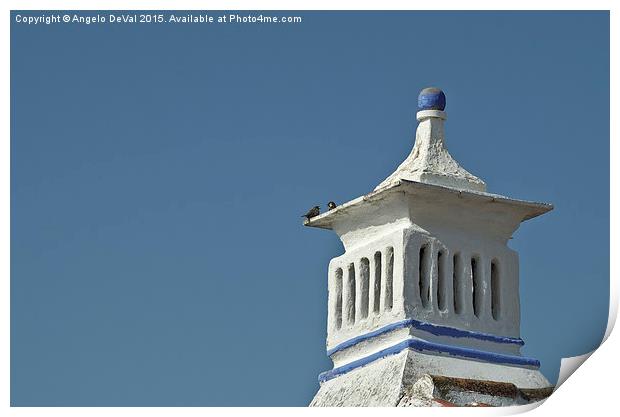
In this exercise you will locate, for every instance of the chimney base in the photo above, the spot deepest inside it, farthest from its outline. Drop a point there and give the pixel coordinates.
(411, 378)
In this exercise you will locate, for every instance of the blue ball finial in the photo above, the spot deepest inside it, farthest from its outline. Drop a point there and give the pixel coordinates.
(431, 99)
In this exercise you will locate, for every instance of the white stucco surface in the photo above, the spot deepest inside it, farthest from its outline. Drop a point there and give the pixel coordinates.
(429, 244)
(430, 161)
(403, 222)
(385, 382)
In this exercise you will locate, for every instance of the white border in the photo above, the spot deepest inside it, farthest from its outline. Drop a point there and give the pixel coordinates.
(592, 392)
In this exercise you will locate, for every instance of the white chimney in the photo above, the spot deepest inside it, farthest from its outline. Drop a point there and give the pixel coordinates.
(427, 286)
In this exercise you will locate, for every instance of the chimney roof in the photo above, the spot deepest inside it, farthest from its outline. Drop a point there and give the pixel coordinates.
(530, 209)
(429, 160)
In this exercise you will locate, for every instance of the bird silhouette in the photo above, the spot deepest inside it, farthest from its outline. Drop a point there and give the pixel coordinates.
(331, 205)
(314, 211)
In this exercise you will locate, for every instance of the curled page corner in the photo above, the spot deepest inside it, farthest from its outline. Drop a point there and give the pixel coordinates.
(569, 365)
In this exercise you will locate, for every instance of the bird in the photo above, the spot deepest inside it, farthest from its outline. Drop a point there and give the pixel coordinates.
(314, 211)
(331, 205)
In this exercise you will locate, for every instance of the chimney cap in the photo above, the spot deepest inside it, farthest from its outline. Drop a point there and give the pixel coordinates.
(431, 98)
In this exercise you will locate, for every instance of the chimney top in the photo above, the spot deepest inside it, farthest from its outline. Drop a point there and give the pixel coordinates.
(429, 161)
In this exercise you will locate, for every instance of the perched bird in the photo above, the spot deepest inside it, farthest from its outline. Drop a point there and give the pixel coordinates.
(331, 205)
(314, 211)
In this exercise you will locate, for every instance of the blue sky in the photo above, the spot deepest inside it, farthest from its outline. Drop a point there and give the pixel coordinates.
(158, 173)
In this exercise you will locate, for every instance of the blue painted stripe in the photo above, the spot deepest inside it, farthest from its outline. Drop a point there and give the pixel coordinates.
(427, 327)
(422, 346)
(354, 341)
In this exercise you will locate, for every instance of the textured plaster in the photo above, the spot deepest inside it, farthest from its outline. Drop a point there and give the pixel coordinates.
(433, 391)
(379, 384)
(430, 161)
(403, 379)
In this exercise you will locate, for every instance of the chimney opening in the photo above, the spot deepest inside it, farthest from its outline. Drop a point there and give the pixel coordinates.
(364, 287)
(389, 278)
(351, 294)
(457, 283)
(441, 281)
(476, 280)
(377, 283)
(495, 290)
(424, 275)
(338, 296)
